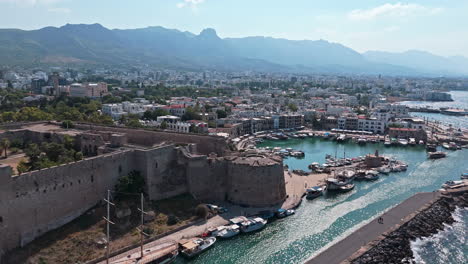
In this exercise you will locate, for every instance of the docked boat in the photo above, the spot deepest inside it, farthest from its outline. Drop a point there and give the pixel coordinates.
(384, 170)
(403, 142)
(337, 185)
(412, 142)
(346, 188)
(387, 142)
(445, 145)
(297, 154)
(431, 148)
(196, 246)
(282, 213)
(314, 166)
(421, 142)
(361, 141)
(452, 184)
(227, 231)
(253, 224)
(371, 175)
(436, 155)
(341, 138)
(464, 176)
(393, 141)
(314, 192)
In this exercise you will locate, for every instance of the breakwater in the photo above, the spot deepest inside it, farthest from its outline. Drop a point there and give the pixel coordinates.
(395, 246)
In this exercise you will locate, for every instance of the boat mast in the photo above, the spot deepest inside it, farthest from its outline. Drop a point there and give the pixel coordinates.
(140, 229)
(108, 222)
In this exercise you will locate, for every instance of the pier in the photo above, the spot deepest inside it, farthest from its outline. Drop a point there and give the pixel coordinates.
(374, 231)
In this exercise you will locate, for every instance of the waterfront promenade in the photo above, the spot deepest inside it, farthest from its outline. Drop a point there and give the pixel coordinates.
(341, 251)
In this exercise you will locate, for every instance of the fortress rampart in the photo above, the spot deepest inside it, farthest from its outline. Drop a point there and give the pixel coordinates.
(39, 201)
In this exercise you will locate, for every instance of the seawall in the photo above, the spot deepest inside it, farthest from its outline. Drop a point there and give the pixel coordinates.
(389, 241)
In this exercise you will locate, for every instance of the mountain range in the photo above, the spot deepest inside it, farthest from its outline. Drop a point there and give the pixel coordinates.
(169, 48)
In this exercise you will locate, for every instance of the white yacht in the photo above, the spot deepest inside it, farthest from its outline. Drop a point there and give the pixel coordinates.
(252, 224)
(227, 231)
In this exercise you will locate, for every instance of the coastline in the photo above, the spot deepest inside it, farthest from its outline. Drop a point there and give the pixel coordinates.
(421, 215)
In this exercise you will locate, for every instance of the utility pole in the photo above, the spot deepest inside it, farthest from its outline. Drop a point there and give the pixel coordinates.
(108, 221)
(140, 229)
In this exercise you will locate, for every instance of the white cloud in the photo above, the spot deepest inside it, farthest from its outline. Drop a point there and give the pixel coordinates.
(392, 10)
(391, 29)
(190, 3)
(62, 10)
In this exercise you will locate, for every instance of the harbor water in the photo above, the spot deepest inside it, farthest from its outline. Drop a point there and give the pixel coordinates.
(460, 100)
(319, 223)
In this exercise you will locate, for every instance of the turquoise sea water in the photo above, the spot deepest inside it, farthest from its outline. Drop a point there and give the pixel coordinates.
(319, 223)
(328, 219)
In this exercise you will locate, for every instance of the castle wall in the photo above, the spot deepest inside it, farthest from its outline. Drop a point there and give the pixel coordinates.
(39, 201)
(207, 178)
(256, 185)
(205, 144)
(165, 177)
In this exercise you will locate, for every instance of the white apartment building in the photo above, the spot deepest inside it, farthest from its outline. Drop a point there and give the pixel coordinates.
(133, 108)
(372, 125)
(113, 110)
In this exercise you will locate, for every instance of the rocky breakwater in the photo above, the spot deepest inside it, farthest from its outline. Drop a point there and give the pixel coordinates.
(395, 245)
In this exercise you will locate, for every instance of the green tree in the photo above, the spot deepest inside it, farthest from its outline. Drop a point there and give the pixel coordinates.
(221, 114)
(292, 107)
(22, 167)
(132, 183)
(163, 125)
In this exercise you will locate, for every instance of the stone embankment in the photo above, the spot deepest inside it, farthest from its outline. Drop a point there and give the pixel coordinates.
(395, 246)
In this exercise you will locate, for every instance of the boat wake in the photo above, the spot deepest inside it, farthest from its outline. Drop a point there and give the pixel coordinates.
(447, 246)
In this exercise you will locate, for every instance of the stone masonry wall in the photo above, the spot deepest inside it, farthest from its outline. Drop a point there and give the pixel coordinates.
(205, 144)
(36, 202)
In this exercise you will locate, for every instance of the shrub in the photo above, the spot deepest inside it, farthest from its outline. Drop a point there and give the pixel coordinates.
(172, 220)
(202, 211)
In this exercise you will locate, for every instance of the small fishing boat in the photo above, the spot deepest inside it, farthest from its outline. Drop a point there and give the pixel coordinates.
(361, 141)
(341, 138)
(436, 155)
(346, 188)
(297, 154)
(445, 145)
(196, 246)
(421, 142)
(412, 142)
(282, 213)
(431, 148)
(464, 176)
(371, 175)
(253, 224)
(387, 142)
(451, 184)
(314, 192)
(403, 142)
(384, 170)
(227, 231)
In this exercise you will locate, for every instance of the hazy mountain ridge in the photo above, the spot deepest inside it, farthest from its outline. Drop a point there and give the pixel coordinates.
(422, 60)
(95, 44)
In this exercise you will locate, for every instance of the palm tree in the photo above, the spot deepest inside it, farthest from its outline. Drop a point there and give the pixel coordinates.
(5, 145)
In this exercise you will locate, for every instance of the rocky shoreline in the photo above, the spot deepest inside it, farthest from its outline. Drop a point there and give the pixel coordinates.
(395, 246)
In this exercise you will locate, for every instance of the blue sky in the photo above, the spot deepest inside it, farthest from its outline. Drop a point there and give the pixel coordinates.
(437, 26)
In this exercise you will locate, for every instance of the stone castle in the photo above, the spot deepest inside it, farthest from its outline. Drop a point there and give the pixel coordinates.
(36, 202)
